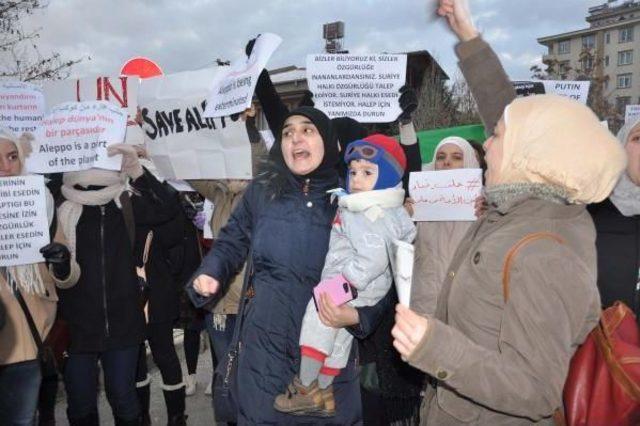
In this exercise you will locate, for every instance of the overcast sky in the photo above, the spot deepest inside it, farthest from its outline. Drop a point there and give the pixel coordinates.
(189, 34)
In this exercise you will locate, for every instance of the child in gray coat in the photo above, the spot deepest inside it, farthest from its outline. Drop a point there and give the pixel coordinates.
(370, 217)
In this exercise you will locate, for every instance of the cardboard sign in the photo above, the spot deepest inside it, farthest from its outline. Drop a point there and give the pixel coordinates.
(233, 88)
(447, 195)
(121, 91)
(183, 144)
(363, 87)
(24, 227)
(21, 106)
(75, 136)
(577, 90)
(632, 114)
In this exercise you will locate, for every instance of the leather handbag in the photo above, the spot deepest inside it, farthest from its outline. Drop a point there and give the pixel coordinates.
(603, 383)
(225, 377)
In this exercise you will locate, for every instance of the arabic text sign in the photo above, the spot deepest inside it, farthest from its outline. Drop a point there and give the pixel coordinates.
(447, 195)
(363, 87)
(75, 136)
(24, 228)
(232, 91)
(21, 106)
(183, 143)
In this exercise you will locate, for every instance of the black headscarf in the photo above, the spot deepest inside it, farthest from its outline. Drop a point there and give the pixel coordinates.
(329, 164)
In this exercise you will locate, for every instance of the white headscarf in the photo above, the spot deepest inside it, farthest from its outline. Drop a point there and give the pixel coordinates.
(26, 277)
(626, 194)
(469, 154)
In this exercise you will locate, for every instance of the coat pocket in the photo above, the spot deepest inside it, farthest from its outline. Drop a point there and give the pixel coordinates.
(456, 406)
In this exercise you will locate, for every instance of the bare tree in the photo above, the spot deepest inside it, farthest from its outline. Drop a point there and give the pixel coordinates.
(20, 58)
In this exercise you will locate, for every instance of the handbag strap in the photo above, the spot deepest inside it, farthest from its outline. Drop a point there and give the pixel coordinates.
(513, 251)
(235, 340)
(32, 326)
(147, 248)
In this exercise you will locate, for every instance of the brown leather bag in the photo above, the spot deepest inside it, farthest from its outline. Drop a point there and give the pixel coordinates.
(603, 383)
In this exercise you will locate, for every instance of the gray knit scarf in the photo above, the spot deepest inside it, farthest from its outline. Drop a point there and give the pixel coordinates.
(499, 195)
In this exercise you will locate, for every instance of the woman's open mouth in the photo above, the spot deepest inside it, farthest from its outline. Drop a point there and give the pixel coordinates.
(301, 154)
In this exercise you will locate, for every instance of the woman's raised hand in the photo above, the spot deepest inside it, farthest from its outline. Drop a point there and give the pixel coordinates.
(205, 285)
(459, 17)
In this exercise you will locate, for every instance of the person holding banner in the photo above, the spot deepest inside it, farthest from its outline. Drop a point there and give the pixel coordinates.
(283, 223)
(499, 348)
(28, 293)
(437, 242)
(99, 218)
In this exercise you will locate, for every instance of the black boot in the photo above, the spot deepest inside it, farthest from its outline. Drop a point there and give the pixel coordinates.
(90, 420)
(178, 420)
(175, 405)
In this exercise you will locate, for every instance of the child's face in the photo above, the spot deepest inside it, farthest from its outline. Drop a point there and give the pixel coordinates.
(363, 176)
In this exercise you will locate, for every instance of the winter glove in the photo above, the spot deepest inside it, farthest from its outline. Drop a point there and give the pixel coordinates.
(130, 164)
(408, 103)
(307, 99)
(58, 259)
(249, 47)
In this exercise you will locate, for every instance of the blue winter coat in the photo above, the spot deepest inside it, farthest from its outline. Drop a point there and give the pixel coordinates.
(289, 237)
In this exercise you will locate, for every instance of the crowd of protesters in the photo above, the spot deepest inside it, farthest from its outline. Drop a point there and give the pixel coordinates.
(326, 201)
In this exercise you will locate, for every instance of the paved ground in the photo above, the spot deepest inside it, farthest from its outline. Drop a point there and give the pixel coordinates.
(198, 406)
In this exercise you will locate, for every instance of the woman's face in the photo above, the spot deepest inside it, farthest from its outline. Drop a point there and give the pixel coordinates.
(449, 156)
(302, 145)
(633, 154)
(9, 160)
(494, 149)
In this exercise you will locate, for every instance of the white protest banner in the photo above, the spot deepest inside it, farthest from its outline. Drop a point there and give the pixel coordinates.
(631, 114)
(233, 89)
(75, 136)
(24, 227)
(363, 87)
(268, 138)
(121, 91)
(183, 143)
(577, 90)
(21, 106)
(447, 195)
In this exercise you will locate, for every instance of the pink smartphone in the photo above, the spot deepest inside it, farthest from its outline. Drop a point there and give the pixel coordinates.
(338, 288)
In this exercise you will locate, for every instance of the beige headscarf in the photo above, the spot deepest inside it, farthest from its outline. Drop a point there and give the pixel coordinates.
(26, 277)
(555, 140)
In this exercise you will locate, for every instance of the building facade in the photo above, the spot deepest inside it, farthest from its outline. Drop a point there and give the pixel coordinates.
(607, 52)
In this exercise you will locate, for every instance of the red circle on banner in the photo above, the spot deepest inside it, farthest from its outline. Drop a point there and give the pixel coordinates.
(142, 67)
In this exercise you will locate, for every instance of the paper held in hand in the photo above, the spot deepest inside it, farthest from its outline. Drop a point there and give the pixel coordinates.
(402, 257)
(24, 227)
(447, 195)
(362, 87)
(232, 90)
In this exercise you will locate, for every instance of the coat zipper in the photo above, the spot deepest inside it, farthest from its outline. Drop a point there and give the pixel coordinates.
(104, 274)
(305, 187)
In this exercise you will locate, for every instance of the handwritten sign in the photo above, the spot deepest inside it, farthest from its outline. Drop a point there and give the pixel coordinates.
(363, 87)
(447, 195)
(75, 136)
(183, 144)
(21, 106)
(121, 91)
(24, 227)
(233, 89)
(631, 114)
(577, 90)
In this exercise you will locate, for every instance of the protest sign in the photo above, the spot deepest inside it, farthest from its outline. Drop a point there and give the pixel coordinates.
(21, 106)
(447, 195)
(75, 136)
(577, 90)
(121, 91)
(632, 114)
(233, 88)
(24, 227)
(363, 87)
(183, 143)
